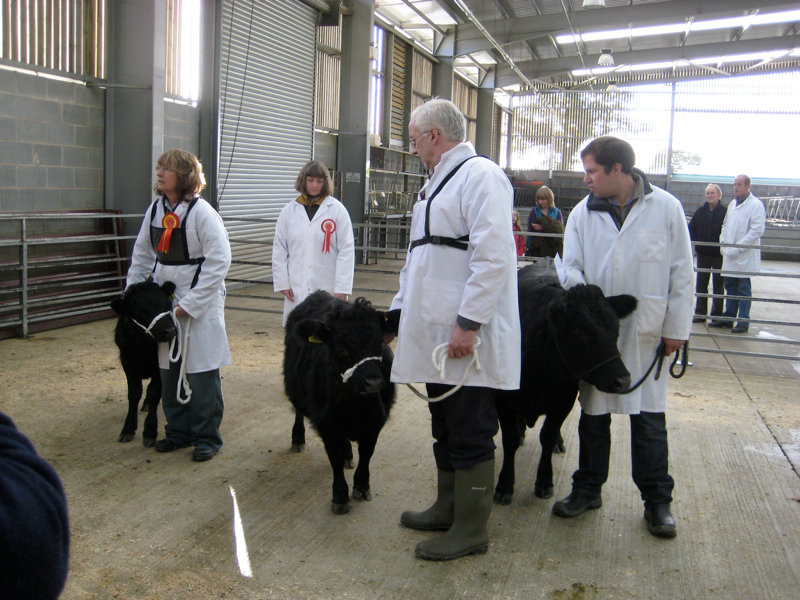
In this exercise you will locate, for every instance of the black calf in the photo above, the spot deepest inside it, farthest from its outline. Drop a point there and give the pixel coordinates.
(138, 351)
(336, 374)
(567, 335)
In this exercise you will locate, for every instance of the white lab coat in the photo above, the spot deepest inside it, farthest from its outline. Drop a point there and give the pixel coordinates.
(438, 283)
(298, 262)
(650, 257)
(743, 224)
(206, 237)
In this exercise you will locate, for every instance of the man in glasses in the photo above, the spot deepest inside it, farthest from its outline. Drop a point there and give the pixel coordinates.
(459, 284)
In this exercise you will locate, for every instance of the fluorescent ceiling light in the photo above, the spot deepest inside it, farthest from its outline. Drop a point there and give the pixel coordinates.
(788, 16)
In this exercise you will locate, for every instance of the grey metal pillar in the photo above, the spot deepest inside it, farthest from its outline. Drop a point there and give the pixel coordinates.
(484, 133)
(210, 96)
(353, 150)
(134, 104)
(443, 72)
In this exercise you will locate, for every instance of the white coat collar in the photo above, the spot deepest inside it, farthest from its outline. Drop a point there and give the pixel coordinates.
(449, 160)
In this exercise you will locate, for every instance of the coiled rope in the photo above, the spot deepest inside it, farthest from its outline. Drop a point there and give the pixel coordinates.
(179, 342)
(439, 358)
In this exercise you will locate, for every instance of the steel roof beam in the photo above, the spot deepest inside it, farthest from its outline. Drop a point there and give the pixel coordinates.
(506, 31)
(548, 67)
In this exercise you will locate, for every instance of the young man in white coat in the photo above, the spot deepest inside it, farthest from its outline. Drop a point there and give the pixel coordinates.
(628, 237)
(743, 224)
(459, 283)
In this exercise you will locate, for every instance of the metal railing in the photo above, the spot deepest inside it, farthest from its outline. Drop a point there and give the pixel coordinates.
(384, 240)
(66, 284)
(56, 268)
(782, 211)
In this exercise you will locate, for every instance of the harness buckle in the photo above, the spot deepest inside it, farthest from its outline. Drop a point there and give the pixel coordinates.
(436, 239)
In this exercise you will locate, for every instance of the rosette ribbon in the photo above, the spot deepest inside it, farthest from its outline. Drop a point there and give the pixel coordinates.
(169, 222)
(328, 227)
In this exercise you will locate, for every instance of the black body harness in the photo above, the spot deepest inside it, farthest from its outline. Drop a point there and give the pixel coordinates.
(439, 240)
(178, 251)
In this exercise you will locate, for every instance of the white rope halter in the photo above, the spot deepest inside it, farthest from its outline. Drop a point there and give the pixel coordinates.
(180, 341)
(349, 373)
(440, 353)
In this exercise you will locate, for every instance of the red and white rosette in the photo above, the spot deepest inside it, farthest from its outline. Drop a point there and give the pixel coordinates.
(169, 222)
(328, 227)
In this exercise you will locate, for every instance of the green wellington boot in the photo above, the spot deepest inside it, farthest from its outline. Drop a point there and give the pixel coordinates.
(474, 488)
(438, 517)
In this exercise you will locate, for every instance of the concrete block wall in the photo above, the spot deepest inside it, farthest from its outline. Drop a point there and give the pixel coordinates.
(181, 127)
(51, 144)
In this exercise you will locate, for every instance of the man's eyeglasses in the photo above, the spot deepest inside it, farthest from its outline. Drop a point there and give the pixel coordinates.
(413, 141)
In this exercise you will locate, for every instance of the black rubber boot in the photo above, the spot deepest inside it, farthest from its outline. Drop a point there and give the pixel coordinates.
(474, 488)
(438, 517)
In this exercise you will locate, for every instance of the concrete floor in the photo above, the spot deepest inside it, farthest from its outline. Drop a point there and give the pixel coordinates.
(147, 525)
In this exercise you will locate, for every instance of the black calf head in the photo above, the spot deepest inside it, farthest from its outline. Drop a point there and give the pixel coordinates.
(143, 302)
(352, 333)
(586, 330)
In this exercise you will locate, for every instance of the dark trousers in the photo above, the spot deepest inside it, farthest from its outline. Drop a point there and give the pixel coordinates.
(709, 262)
(649, 456)
(197, 422)
(738, 286)
(463, 425)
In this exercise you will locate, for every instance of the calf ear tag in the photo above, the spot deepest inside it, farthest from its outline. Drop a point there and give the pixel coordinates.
(314, 339)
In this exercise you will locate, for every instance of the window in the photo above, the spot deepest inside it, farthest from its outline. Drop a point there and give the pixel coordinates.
(65, 36)
(183, 49)
(377, 80)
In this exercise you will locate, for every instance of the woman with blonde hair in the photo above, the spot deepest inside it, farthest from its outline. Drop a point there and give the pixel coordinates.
(183, 240)
(545, 218)
(313, 248)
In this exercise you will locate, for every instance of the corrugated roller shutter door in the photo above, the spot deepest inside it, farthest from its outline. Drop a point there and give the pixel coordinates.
(266, 121)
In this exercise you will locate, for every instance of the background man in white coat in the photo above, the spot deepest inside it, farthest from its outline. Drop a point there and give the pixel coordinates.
(628, 237)
(459, 282)
(743, 224)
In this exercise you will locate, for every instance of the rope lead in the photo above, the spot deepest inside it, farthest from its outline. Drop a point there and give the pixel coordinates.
(440, 353)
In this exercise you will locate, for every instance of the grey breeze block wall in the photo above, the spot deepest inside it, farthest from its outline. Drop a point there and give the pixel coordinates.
(51, 144)
(181, 127)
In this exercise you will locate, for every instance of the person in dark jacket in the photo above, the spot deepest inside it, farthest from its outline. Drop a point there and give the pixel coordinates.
(34, 528)
(706, 226)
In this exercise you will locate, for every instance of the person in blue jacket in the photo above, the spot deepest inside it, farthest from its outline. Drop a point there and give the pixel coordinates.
(34, 527)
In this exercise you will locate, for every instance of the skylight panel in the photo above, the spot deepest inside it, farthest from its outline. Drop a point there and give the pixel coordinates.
(789, 16)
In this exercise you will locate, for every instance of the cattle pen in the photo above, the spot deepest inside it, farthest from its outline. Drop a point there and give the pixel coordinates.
(147, 525)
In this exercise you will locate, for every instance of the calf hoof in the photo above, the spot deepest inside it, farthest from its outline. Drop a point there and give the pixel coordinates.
(126, 437)
(340, 509)
(503, 498)
(542, 492)
(559, 448)
(149, 442)
(362, 494)
(297, 447)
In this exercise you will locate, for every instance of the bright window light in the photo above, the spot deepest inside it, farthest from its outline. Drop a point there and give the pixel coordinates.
(711, 60)
(788, 16)
(190, 50)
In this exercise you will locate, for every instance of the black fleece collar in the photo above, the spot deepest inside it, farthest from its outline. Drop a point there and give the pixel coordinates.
(604, 205)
